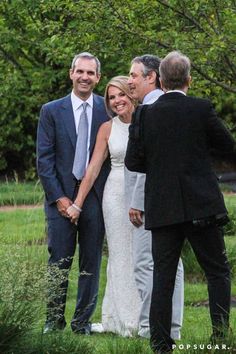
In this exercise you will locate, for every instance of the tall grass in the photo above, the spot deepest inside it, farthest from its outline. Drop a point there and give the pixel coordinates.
(20, 296)
(230, 228)
(17, 193)
(193, 271)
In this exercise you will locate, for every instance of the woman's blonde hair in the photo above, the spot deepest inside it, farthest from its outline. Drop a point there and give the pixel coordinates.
(121, 82)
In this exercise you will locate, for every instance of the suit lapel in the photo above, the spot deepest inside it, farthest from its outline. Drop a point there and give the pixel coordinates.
(68, 119)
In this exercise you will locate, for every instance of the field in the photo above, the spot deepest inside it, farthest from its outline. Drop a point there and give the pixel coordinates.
(23, 258)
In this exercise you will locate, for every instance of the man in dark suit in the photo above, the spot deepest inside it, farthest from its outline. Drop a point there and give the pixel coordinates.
(182, 197)
(58, 129)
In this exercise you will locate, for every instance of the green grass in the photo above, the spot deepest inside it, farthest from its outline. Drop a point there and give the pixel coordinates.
(23, 250)
(17, 193)
(22, 226)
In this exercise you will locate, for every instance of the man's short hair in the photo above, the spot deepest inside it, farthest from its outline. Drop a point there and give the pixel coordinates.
(150, 63)
(175, 70)
(89, 56)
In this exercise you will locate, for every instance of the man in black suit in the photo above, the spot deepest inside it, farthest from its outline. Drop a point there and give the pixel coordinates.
(59, 133)
(182, 197)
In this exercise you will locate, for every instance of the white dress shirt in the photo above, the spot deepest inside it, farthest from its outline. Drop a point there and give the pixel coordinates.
(152, 96)
(77, 110)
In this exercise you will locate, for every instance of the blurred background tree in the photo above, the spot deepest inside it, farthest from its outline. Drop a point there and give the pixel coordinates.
(38, 39)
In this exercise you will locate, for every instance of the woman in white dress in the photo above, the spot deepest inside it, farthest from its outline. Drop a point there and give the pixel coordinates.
(121, 303)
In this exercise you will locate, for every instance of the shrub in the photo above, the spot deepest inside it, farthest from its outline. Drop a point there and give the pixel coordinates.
(20, 298)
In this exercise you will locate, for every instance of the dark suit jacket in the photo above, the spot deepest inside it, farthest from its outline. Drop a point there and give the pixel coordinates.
(178, 135)
(56, 142)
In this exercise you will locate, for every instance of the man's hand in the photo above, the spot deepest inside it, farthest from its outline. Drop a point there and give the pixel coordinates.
(63, 204)
(135, 217)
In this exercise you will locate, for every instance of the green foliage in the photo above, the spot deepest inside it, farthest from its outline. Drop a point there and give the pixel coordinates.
(21, 287)
(39, 39)
(230, 228)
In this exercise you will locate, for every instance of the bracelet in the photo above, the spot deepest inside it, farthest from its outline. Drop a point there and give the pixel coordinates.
(76, 207)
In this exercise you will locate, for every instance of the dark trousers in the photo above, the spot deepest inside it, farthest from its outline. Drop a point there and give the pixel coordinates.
(62, 239)
(209, 248)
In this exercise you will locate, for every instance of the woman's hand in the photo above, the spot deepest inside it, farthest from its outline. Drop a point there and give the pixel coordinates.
(74, 212)
(136, 217)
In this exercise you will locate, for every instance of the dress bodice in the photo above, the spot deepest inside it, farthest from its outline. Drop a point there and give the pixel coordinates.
(117, 142)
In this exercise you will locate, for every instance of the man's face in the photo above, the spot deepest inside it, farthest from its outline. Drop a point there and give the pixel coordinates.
(84, 77)
(138, 83)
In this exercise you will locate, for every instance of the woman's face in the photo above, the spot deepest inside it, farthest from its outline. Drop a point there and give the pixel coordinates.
(119, 102)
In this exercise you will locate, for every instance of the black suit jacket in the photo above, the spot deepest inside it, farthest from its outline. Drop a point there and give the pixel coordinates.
(178, 134)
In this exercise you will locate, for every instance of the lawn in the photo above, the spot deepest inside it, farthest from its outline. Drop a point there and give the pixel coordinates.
(17, 193)
(23, 258)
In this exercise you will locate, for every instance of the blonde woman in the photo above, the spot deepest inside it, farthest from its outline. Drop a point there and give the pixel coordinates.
(121, 303)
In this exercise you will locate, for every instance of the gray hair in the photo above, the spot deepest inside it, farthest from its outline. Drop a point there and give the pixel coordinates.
(89, 56)
(175, 70)
(150, 63)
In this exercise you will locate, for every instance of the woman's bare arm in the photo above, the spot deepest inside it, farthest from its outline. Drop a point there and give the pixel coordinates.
(100, 154)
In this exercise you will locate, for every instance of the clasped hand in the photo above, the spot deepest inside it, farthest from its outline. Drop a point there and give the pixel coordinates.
(135, 217)
(65, 208)
(73, 214)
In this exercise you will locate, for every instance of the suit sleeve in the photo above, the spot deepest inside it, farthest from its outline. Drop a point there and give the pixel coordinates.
(137, 201)
(134, 189)
(220, 140)
(46, 156)
(134, 159)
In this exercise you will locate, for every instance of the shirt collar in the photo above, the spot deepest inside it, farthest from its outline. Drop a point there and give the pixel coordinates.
(77, 102)
(179, 91)
(152, 96)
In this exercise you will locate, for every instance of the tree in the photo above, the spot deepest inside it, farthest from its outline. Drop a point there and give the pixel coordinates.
(39, 38)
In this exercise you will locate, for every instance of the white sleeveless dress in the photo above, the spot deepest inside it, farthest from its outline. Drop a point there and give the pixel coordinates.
(121, 303)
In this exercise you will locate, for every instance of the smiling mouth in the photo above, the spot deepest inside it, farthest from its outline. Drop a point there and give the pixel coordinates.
(120, 106)
(83, 83)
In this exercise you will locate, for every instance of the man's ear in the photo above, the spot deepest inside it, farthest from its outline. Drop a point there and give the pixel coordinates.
(161, 84)
(152, 75)
(189, 81)
(70, 73)
(98, 78)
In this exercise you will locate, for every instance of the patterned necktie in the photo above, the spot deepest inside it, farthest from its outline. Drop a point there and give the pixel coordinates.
(81, 145)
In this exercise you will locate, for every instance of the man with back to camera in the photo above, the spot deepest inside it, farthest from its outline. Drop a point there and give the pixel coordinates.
(182, 196)
(145, 87)
(66, 137)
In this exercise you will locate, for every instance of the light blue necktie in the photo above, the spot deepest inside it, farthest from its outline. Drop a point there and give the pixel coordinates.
(81, 145)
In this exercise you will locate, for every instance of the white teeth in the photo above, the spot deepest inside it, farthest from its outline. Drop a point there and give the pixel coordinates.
(120, 106)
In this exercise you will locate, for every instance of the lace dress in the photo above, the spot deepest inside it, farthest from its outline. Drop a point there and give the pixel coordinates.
(121, 303)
